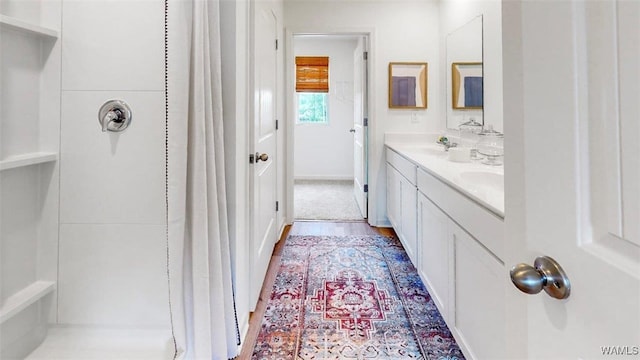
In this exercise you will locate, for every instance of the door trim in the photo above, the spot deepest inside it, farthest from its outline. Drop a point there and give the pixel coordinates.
(289, 139)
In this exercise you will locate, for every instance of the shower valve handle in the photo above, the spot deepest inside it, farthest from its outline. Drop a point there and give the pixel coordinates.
(114, 115)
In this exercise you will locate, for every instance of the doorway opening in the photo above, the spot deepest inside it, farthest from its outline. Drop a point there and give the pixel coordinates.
(329, 125)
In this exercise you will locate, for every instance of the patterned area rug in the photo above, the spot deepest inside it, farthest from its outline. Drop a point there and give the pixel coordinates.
(351, 297)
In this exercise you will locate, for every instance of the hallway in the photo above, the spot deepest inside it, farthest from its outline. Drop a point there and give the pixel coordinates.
(325, 200)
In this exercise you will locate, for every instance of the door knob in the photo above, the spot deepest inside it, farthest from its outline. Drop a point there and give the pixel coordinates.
(263, 157)
(114, 115)
(545, 274)
(352, 130)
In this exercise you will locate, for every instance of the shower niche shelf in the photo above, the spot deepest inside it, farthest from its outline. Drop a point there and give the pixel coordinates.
(31, 59)
(25, 297)
(8, 22)
(27, 159)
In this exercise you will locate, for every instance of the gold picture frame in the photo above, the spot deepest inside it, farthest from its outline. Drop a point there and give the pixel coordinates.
(467, 85)
(408, 85)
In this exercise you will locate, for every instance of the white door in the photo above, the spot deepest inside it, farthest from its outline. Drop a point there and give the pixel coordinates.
(264, 144)
(572, 170)
(359, 129)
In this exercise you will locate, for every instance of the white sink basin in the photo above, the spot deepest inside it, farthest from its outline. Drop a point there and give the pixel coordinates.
(484, 179)
(423, 150)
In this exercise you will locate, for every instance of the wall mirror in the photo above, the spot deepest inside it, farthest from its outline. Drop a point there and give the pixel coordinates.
(465, 75)
(407, 85)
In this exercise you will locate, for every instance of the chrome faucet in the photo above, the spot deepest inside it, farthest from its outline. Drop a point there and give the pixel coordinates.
(444, 141)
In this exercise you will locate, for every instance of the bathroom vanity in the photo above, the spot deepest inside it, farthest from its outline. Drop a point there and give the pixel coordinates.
(450, 218)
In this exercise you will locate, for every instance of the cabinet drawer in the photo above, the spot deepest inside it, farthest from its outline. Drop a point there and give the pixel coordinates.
(404, 166)
(484, 225)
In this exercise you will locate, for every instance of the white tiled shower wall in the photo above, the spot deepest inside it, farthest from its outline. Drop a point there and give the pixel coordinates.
(112, 215)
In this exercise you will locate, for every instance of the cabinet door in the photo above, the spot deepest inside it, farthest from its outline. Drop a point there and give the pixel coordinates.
(408, 217)
(479, 297)
(434, 246)
(393, 197)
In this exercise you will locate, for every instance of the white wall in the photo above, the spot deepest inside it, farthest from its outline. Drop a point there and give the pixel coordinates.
(400, 31)
(325, 151)
(456, 13)
(112, 212)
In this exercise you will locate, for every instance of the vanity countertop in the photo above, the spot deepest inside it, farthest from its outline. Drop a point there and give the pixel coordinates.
(482, 183)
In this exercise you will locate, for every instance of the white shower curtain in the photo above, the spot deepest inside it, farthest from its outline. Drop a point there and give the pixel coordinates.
(201, 293)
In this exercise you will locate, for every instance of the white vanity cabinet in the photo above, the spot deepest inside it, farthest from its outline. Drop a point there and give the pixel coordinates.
(458, 241)
(402, 197)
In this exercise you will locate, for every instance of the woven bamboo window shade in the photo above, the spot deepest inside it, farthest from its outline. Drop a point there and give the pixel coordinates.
(312, 74)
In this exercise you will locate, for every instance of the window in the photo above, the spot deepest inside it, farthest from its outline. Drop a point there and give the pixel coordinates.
(312, 87)
(312, 108)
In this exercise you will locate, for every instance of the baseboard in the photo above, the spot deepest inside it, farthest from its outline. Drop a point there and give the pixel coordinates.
(323, 177)
(385, 223)
(244, 329)
(282, 227)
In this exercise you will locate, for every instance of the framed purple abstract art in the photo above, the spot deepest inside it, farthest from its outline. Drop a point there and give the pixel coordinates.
(407, 85)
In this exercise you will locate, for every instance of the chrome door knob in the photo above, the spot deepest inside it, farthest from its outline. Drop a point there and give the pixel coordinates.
(352, 130)
(545, 274)
(263, 157)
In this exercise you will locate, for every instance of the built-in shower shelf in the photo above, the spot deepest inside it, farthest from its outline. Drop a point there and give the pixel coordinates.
(25, 297)
(8, 22)
(27, 159)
